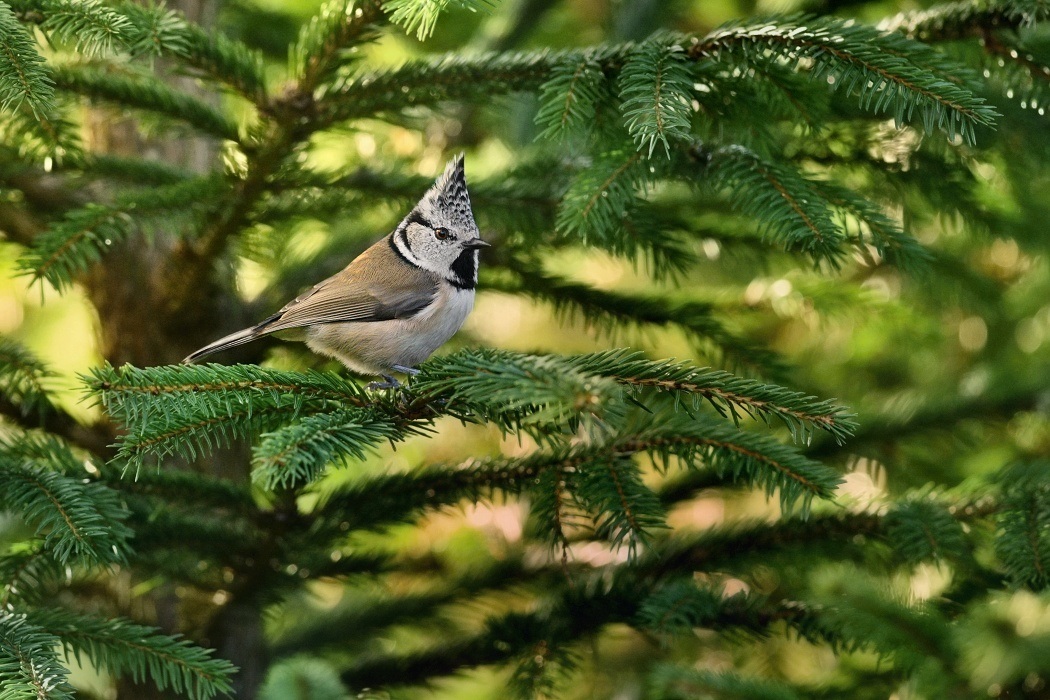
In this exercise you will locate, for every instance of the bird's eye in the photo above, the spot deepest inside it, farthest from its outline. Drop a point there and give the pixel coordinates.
(442, 234)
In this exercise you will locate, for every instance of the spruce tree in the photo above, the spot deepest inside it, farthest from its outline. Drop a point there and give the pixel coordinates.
(782, 433)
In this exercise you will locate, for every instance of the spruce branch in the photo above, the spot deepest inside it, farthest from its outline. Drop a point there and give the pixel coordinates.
(923, 530)
(77, 518)
(910, 636)
(789, 207)
(23, 402)
(669, 682)
(656, 89)
(83, 236)
(29, 666)
(958, 20)
(420, 16)
(149, 30)
(296, 454)
(740, 455)
(124, 648)
(89, 26)
(293, 118)
(23, 379)
(885, 70)
(570, 98)
(23, 75)
(29, 574)
(163, 32)
(594, 205)
(513, 388)
(1023, 535)
(570, 618)
(609, 310)
(338, 24)
(146, 93)
(354, 618)
(875, 229)
(726, 392)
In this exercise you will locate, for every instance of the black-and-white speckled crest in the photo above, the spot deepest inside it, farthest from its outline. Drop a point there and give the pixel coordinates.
(449, 196)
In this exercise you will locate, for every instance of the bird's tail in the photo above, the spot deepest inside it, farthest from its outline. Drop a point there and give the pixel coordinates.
(231, 341)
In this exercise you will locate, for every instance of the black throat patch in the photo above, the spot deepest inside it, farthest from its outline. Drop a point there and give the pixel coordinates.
(465, 270)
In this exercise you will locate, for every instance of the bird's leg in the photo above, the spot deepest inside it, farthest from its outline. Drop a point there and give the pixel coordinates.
(410, 371)
(390, 383)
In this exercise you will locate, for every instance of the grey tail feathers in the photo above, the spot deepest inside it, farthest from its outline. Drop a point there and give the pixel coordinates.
(231, 341)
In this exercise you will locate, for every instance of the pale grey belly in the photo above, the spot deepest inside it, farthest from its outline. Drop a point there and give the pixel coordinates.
(375, 347)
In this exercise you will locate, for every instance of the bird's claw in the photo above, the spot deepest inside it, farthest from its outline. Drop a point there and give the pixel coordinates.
(390, 383)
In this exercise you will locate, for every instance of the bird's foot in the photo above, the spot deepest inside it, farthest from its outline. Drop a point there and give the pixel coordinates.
(390, 383)
(410, 371)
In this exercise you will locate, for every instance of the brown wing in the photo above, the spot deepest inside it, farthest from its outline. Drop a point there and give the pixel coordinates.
(376, 286)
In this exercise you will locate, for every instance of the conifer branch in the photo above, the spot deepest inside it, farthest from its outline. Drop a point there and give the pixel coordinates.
(864, 60)
(29, 666)
(595, 202)
(791, 210)
(968, 18)
(656, 95)
(726, 392)
(878, 66)
(124, 648)
(337, 31)
(23, 379)
(77, 518)
(569, 99)
(142, 30)
(337, 25)
(672, 682)
(28, 574)
(89, 26)
(70, 246)
(145, 93)
(1023, 524)
(296, 454)
(23, 75)
(609, 310)
(420, 16)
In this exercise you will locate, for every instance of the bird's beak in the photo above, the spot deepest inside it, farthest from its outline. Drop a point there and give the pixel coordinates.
(475, 243)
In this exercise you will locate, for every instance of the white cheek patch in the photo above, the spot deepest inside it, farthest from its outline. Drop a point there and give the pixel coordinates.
(416, 257)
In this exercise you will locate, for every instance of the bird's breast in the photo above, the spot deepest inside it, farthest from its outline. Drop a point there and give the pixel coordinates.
(375, 347)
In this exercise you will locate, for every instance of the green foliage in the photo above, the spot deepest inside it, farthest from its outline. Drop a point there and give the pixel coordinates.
(77, 518)
(145, 93)
(192, 409)
(29, 666)
(672, 682)
(23, 76)
(790, 208)
(127, 649)
(295, 454)
(656, 89)
(888, 73)
(570, 99)
(90, 27)
(73, 244)
(921, 530)
(306, 678)
(23, 378)
(1023, 537)
(420, 16)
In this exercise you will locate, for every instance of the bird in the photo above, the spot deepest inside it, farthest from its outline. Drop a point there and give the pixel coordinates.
(395, 303)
